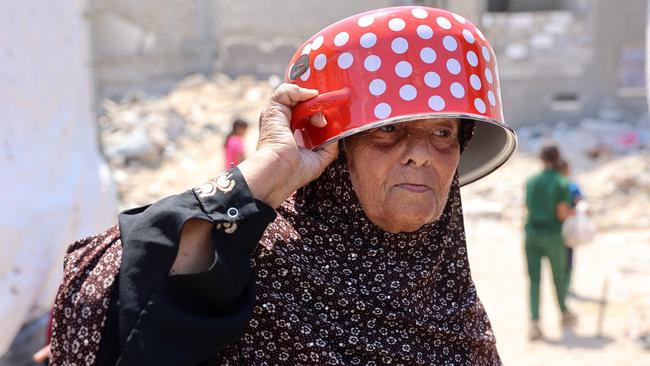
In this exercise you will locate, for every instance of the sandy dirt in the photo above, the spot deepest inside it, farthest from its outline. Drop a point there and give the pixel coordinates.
(615, 267)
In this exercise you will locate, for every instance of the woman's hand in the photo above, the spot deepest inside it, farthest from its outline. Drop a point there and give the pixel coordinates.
(41, 355)
(278, 168)
(280, 165)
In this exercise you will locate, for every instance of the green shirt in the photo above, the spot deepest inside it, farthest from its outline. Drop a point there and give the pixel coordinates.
(544, 192)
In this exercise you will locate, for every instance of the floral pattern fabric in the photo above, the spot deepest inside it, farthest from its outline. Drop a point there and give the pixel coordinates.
(334, 289)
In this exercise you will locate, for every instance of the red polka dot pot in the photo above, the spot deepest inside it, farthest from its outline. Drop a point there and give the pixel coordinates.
(402, 64)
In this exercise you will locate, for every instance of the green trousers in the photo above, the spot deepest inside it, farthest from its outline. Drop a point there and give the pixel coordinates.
(540, 244)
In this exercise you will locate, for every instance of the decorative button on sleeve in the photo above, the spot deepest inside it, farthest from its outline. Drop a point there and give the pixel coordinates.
(226, 199)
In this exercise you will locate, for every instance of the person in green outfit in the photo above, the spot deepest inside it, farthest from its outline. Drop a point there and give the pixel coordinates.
(548, 201)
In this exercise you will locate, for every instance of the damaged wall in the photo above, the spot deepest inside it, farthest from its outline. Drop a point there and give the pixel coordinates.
(148, 46)
(56, 187)
(570, 65)
(585, 59)
(141, 46)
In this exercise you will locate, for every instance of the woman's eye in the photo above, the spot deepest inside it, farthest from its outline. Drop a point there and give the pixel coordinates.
(443, 132)
(389, 128)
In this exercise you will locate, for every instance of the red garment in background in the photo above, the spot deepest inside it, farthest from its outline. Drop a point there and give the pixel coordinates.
(234, 150)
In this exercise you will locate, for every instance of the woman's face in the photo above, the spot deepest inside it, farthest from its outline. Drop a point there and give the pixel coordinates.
(402, 173)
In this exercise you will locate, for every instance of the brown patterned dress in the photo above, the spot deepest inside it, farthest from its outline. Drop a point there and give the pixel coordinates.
(331, 289)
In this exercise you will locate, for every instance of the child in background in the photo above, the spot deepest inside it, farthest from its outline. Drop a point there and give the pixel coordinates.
(548, 203)
(234, 143)
(576, 195)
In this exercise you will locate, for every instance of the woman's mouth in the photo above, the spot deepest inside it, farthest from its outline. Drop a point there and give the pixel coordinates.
(416, 188)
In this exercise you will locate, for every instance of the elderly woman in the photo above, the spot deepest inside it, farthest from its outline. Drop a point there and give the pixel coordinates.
(349, 253)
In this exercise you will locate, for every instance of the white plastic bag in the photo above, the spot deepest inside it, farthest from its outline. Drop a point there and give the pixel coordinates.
(578, 230)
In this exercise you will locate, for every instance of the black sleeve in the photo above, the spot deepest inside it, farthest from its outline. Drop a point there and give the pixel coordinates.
(155, 318)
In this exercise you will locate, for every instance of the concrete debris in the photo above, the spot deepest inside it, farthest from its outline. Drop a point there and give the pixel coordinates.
(619, 192)
(609, 160)
(152, 139)
(148, 138)
(591, 142)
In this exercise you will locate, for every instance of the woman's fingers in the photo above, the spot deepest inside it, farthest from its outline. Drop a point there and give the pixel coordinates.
(42, 354)
(318, 120)
(278, 111)
(297, 134)
(329, 152)
(290, 94)
(324, 156)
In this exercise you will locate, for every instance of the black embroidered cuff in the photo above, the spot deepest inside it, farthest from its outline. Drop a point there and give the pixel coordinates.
(226, 199)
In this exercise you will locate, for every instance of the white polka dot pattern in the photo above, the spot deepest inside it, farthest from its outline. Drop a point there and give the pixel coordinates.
(469, 37)
(432, 79)
(307, 49)
(491, 98)
(396, 24)
(478, 31)
(486, 53)
(443, 22)
(450, 44)
(424, 31)
(377, 87)
(472, 59)
(427, 55)
(459, 18)
(368, 40)
(320, 61)
(341, 39)
(436, 103)
(457, 90)
(365, 21)
(382, 110)
(408, 92)
(480, 105)
(345, 60)
(488, 76)
(305, 76)
(403, 69)
(399, 45)
(372, 63)
(420, 13)
(453, 66)
(475, 81)
(318, 41)
(395, 56)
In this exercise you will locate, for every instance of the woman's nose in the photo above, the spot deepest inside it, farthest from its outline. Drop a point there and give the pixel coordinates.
(418, 150)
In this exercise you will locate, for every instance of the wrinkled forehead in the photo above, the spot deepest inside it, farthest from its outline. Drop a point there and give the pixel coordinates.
(434, 121)
(424, 123)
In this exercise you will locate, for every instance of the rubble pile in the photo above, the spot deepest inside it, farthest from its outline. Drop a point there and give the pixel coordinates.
(159, 146)
(618, 192)
(609, 160)
(591, 142)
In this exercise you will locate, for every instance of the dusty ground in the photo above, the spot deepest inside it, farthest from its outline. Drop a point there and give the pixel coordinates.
(615, 267)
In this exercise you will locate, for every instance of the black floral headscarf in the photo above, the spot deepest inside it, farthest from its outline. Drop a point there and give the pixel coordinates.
(335, 289)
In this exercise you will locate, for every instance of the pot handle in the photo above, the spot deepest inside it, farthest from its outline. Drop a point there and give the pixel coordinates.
(322, 102)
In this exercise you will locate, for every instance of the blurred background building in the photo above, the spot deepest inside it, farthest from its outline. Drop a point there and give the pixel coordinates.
(150, 86)
(563, 60)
